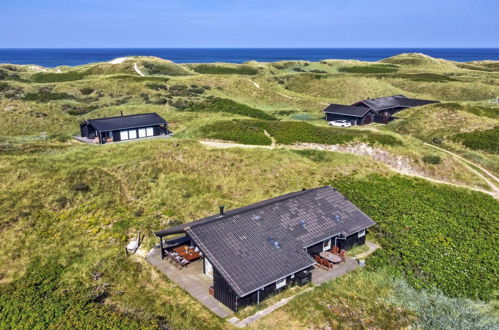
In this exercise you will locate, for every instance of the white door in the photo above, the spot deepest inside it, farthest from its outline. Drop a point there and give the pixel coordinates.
(142, 132)
(326, 245)
(132, 134)
(123, 135)
(149, 131)
(208, 268)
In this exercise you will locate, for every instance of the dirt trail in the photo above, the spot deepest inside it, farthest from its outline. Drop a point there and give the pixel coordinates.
(396, 163)
(136, 68)
(491, 176)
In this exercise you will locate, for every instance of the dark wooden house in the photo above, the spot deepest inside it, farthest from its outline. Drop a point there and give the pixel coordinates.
(380, 110)
(260, 249)
(121, 128)
(356, 115)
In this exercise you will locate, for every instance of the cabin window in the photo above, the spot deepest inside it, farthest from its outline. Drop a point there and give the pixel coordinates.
(281, 283)
(142, 132)
(326, 245)
(361, 233)
(149, 131)
(132, 134)
(124, 135)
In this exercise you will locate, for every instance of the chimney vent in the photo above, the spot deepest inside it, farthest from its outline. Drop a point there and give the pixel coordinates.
(222, 210)
(337, 218)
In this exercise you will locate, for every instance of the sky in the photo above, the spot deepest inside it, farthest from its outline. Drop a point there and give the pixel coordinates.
(254, 23)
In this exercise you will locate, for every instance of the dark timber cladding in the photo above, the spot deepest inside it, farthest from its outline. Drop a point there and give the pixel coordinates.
(259, 249)
(121, 128)
(372, 110)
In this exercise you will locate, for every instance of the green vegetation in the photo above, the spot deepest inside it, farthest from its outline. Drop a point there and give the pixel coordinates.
(433, 235)
(229, 106)
(224, 69)
(131, 78)
(376, 300)
(290, 132)
(43, 77)
(487, 140)
(40, 299)
(433, 160)
(47, 97)
(373, 68)
(427, 77)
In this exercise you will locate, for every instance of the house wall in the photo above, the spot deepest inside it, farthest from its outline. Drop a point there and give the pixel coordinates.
(157, 130)
(346, 244)
(367, 119)
(351, 241)
(227, 296)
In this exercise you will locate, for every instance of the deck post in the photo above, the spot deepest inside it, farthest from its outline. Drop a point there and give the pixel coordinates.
(161, 247)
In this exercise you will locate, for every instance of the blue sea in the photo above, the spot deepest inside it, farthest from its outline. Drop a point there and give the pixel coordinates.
(73, 56)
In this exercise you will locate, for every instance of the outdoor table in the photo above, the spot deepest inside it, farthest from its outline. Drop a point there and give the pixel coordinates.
(187, 253)
(331, 257)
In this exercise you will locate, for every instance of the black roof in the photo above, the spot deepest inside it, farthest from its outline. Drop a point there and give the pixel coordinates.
(124, 122)
(258, 244)
(348, 110)
(390, 102)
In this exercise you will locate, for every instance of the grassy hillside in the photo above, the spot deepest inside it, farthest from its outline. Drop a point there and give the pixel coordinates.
(68, 209)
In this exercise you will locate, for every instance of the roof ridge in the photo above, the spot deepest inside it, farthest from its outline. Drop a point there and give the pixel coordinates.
(132, 115)
(253, 206)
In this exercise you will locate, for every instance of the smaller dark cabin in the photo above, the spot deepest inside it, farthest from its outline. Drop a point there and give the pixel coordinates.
(122, 128)
(379, 110)
(356, 115)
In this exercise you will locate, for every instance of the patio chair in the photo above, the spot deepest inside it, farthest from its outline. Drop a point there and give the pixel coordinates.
(327, 263)
(343, 255)
(318, 259)
(335, 250)
(184, 262)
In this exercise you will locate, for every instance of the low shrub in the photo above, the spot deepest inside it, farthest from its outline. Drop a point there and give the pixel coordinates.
(86, 91)
(240, 131)
(436, 236)
(42, 77)
(424, 77)
(291, 132)
(220, 69)
(156, 87)
(40, 299)
(81, 187)
(47, 97)
(373, 68)
(433, 160)
(131, 78)
(229, 106)
(487, 140)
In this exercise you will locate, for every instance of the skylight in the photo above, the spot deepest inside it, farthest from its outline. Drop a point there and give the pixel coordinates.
(274, 243)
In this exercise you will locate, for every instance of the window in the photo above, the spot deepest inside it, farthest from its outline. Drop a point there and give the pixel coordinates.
(132, 134)
(326, 245)
(281, 283)
(142, 132)
(123, 135)
(361, 233)
(149, 131)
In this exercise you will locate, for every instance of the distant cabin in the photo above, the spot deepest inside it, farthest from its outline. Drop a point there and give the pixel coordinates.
(380, 110)
(253, 252)
(123, 128)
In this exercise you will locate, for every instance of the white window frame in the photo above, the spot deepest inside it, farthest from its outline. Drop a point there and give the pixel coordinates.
(130, 132)
(361, 233)
(326, 245)
(150, 131)
(280, 284)
(208, 268)
(123, 137)
(142, 132)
